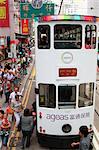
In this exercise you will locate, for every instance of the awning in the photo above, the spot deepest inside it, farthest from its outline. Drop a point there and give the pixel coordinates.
(16, 41)
(21, 36)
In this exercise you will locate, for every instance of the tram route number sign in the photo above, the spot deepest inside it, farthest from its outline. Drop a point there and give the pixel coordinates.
(27, 11)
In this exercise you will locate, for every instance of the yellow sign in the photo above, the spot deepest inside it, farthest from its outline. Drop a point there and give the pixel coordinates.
(2, 12)
(2, 1)
(25, 29)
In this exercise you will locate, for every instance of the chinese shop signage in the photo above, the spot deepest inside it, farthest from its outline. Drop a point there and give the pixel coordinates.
(25, 29)
(29, 11)
(4, 13)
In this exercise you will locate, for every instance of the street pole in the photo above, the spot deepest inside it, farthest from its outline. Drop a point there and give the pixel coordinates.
(60, 7)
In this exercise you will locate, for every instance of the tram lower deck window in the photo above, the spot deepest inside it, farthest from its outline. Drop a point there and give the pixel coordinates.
(86, 94)
(66, 97)
(67, 36)
(47, 95)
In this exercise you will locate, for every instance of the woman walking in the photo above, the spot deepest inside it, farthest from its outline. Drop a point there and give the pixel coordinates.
(26, 126)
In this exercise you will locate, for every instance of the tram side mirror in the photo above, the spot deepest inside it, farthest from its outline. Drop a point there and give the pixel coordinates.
(36, 91)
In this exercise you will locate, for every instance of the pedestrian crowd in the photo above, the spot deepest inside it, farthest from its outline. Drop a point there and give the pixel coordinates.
(10, 77)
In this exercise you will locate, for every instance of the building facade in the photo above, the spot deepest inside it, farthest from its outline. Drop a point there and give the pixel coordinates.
(81, 7)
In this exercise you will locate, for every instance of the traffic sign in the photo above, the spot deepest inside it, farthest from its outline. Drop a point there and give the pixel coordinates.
(27, 11)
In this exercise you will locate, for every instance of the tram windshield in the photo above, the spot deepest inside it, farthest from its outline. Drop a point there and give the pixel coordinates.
(67, 36)
(67, 96)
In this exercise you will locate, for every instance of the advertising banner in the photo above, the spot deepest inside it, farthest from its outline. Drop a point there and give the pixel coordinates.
(25, 28)
(4, 13)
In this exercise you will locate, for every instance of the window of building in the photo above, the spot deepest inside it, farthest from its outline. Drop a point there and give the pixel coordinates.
(67, 36)
(43, 36)
(86, 94)
(67, 96)
(90, 36)
(47, 95)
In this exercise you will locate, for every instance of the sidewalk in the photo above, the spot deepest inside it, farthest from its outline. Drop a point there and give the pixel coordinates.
(22, 84)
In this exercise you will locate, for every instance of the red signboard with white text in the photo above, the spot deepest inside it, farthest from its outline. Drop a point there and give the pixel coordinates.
(25, 28)
(4, 13)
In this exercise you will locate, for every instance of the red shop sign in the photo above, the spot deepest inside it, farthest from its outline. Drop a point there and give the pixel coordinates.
(25, 28)
(4, 13)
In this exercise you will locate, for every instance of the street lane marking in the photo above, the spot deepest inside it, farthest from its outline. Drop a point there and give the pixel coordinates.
(30, 86)
(31, 77)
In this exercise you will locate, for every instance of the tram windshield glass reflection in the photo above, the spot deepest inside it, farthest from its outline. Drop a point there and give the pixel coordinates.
(67, 36)
(67, 96)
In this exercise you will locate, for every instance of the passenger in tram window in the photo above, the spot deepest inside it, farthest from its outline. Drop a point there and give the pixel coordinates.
(88, 45)
(56, 37)
(76, 45)
(85, 141)
(44, 40)
(94, 42)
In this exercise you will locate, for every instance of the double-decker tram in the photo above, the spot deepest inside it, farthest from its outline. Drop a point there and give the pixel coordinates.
(66, 64)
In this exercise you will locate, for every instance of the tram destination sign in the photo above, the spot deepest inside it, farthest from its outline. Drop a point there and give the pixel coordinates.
(27, 10)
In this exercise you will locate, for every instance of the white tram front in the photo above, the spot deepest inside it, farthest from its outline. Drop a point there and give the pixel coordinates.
(66, 62)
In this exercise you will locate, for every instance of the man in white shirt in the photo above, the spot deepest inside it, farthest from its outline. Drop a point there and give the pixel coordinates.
(17, 108)
(10, 76)
(14, 93)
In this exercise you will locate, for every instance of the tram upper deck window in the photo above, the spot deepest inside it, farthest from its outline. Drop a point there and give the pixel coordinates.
(67, 36)
(90, 36)
(47, 95)
(66, 97)
(86, 94)
(43, 36)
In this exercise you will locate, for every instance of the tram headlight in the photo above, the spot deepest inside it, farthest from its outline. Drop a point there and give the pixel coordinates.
(66, 128)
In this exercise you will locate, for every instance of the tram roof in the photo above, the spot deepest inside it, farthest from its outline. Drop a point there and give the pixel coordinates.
(67, 18)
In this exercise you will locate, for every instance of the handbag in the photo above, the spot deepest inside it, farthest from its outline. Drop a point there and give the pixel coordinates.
(91, 147)
(9, 110)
